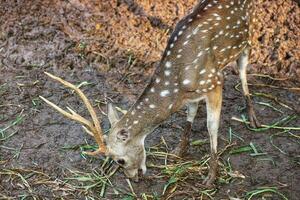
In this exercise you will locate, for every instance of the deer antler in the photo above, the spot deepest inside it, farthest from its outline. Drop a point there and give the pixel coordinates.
(93, 128)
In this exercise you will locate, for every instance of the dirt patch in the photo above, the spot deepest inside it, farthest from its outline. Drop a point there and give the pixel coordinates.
(276, 38)
(41, 152)
(127, 28)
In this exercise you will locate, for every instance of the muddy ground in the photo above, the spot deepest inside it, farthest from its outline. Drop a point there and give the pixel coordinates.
(92, 43)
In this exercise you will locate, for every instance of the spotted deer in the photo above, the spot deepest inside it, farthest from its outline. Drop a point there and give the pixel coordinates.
(214, 34)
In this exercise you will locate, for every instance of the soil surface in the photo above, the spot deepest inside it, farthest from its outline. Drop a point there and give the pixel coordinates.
(111, 48)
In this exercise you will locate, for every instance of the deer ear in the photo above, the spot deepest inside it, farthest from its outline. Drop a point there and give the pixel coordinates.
(123, 135)
(112, 115)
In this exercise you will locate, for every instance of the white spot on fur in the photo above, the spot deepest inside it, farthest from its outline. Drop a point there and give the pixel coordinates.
(211, 87)
(164, 93)
(152, 106)
(168, 64)
(167, 73)
(186, 82)
(202, 71)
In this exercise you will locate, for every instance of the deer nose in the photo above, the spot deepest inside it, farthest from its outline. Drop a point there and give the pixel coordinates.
(121, 161)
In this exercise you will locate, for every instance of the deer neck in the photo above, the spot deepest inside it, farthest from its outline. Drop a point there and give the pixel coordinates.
(155, 105)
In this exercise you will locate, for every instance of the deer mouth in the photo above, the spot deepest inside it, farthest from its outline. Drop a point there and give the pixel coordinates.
(132, 174)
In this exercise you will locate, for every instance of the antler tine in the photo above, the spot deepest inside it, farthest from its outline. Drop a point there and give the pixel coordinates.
(73, 116)
(94, 127)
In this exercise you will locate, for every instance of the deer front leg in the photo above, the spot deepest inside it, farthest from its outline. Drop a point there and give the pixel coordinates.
(242, 64)
(213, 108)
(183, 146)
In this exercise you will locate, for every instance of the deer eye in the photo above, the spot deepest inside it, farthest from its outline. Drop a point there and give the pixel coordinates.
(121, 161)
(123, 132)
(123, 135)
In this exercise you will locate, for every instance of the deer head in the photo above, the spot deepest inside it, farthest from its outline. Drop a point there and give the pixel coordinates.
(122, 144)
(125, 145)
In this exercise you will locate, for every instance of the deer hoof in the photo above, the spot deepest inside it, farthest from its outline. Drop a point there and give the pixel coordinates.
(212, 174)
(254, 123)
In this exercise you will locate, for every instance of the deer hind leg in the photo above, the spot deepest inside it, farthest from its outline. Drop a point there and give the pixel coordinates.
(183, 146)
(213, 108)
(242, 64)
